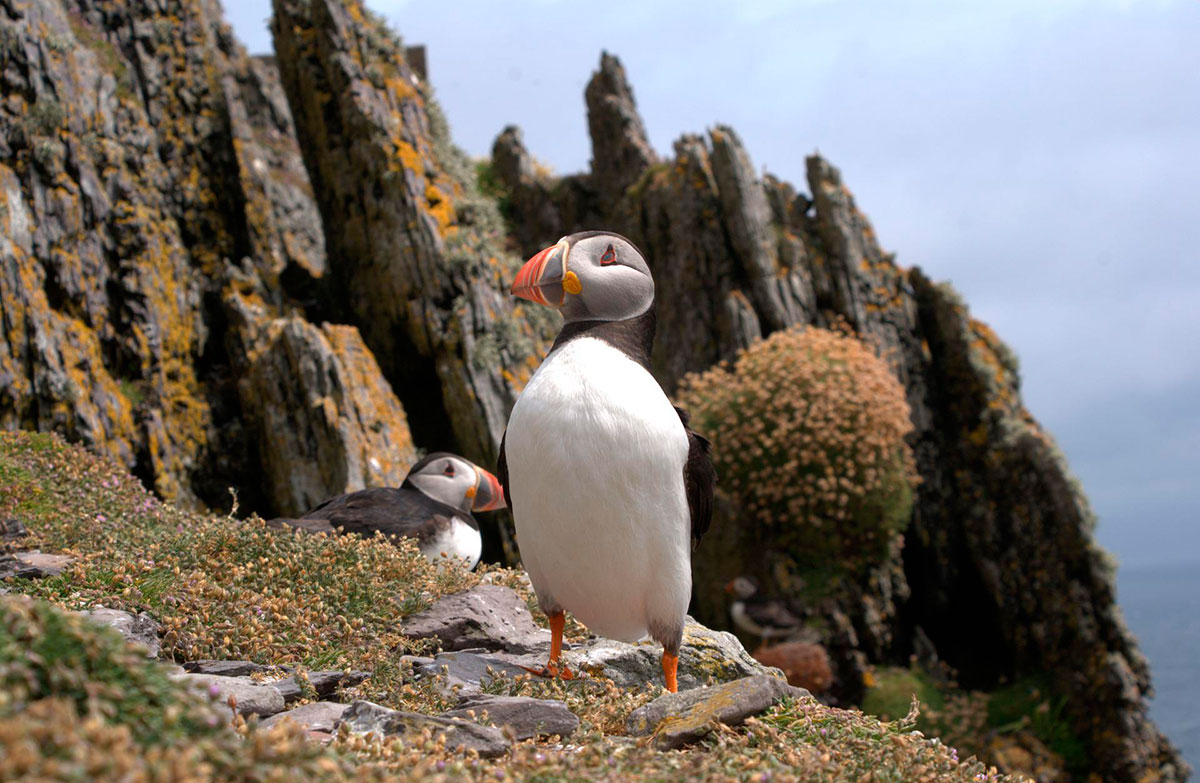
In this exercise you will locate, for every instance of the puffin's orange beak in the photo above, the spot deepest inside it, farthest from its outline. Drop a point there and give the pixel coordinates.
(489, 495)
(541, 278)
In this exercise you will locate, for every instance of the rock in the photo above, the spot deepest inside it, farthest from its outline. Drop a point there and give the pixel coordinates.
(318, 716)
(140, 629)
(486, 616)
(252, 698)
(621, 148)
(363, 717)
(677, 719)
(33, 565)
(11, 530)
(327, 683)
(325, 419)
(705, 656)
(223, 668)
(525, 717)
(468, 671)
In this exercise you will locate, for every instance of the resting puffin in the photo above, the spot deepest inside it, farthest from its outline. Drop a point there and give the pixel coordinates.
(767, 618)
(606, 482)
(433, 505)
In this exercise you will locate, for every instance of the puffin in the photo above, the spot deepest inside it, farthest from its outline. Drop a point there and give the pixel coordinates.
(610, 489)
(433, 505)
(766, 618)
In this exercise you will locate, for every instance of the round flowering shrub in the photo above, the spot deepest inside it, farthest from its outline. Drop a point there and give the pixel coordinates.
(808, 432)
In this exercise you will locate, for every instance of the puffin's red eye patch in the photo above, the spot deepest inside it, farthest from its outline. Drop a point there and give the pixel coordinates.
(449, 471)
(609, 258)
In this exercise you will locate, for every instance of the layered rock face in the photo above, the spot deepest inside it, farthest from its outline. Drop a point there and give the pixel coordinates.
(141, 153)
(999, 570)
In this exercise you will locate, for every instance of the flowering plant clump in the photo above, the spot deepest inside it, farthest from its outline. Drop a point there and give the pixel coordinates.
(808, 431)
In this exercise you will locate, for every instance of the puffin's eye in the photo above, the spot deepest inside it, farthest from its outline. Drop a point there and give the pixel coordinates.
(609, 258)
(449, 471)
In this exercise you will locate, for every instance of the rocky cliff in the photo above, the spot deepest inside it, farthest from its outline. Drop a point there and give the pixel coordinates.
(229, 272)
(157, 220)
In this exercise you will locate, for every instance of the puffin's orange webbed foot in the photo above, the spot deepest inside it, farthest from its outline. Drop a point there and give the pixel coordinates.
(554, 667)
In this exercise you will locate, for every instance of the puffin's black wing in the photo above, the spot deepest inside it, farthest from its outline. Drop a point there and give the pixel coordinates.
(502, 469)
(391, 511)
(771, 614)
(699, 479)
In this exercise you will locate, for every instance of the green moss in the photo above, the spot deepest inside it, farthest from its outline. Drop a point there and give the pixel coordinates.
(891, 695)
(1029, 704)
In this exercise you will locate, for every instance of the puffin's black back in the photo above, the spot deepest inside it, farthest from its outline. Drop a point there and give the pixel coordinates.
(394, 512)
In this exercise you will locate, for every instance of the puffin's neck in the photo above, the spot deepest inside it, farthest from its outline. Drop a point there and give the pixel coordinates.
(633, 337)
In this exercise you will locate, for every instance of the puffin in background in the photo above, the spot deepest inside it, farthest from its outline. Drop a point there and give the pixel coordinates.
(608, 486)
(433, 505)
(767, 618)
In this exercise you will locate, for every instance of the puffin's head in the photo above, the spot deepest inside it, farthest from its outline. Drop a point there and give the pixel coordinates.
(742, 588)
(589, 276)
(457, 482)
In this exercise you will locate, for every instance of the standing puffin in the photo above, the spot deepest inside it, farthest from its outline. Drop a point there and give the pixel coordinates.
(608, 486)
(433, 505)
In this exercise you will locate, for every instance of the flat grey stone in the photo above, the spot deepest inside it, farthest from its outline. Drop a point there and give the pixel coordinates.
(318, 716)
(525, 717)
(705, 656)
(33, 565)
(490, 617)
(140, 629)
(364, 717)
(677, 719)
(288, 688)
(468, 671)
(252, 697)
(223, 668)
(325, 683)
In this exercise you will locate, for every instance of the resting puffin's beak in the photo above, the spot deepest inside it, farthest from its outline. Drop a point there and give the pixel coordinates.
(489, 495)
(541, 278)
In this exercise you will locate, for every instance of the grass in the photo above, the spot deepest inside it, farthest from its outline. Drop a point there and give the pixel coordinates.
(76, 704)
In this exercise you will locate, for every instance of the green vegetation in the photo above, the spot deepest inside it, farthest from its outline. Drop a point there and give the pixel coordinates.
(77, 704)
(970, 720)
(808, 428)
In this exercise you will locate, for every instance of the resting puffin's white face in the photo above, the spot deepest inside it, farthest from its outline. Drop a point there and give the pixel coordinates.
(456, 482)
(741, 588)
(589, 276)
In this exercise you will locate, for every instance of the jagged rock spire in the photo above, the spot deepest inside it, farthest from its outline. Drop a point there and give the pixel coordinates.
(620, 148)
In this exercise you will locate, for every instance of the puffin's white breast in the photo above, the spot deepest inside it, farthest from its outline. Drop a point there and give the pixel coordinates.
(595, 455)
(459, 542)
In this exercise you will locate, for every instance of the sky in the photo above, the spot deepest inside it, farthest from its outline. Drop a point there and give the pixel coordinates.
(1041, 155)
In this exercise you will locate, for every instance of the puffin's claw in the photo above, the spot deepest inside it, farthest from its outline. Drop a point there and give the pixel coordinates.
(552, 671)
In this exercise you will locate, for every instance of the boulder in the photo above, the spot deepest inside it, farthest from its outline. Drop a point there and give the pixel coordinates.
(364, 717)
(486, 616)
(468, 672)
(32, 565)
(318, 716)
(525, 717)
(223, 668)
(677, 719)
(251, 697)
(140, 629)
